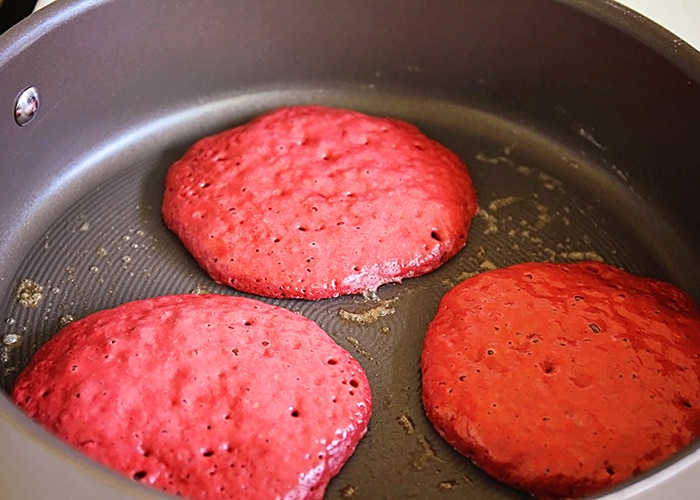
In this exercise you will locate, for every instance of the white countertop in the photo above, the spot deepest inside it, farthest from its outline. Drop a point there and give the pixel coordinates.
(680, 17)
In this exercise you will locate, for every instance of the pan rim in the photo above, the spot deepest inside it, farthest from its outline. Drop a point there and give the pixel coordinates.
(659, 40)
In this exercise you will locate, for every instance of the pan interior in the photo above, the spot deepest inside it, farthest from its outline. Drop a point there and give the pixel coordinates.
(100, 243)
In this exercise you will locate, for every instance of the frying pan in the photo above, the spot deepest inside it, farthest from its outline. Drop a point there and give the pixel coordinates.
(578, 120)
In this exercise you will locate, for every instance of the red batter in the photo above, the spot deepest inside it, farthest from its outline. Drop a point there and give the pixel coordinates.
(564, 379)
(202, 396)
(312, 202)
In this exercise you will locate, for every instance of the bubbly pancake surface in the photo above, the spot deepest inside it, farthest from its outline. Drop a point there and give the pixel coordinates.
(314, 202)
(204, 396)
(564, 379)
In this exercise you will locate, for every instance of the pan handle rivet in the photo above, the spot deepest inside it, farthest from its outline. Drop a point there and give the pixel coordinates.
(26, 106)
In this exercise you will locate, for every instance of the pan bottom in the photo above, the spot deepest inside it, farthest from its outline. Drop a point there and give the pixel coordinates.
(540, 201)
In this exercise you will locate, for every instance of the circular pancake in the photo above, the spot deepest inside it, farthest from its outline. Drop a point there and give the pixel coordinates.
(204, 396)
(564, 379)
(313, 202)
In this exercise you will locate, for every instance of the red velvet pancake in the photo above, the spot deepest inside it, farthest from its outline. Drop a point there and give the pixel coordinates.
(204, 396)
(564, 379)
(313, 202)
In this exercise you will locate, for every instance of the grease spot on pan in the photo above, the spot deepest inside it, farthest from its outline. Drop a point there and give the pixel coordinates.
(348, 491)
(371, 315)
(406, 423)
(29, 293)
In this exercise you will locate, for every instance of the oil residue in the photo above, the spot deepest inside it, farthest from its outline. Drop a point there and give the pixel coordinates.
(406, 423)
(369, 316)
(360, 349)
(10, 342)
(29, 293)
(65, 320)
(200, 290)
(348, 491)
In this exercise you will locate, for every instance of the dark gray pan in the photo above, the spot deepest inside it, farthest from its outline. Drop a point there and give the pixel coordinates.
(579, 122)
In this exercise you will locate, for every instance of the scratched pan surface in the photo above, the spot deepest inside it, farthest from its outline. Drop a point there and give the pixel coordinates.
(573, 156)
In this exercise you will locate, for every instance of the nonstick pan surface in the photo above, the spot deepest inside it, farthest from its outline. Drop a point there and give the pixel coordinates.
(570, 161)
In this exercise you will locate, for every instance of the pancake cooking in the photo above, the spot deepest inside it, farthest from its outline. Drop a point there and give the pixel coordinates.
(202, 396)
(564, 379)
(314, 202)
